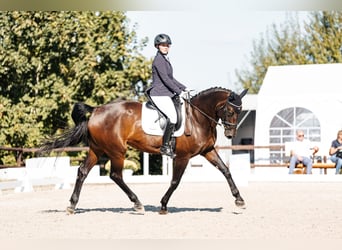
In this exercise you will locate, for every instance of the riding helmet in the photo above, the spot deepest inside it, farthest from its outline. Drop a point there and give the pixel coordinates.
(161, 38)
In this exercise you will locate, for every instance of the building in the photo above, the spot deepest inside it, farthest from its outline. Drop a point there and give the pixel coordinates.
(307, 97)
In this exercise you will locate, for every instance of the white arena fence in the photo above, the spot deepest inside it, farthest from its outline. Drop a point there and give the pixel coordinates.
(58, 172)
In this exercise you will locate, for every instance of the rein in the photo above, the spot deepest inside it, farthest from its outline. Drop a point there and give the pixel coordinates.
(202, 112)
(224, 123)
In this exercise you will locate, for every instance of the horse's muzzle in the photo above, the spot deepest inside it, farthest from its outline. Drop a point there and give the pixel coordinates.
(229, 133)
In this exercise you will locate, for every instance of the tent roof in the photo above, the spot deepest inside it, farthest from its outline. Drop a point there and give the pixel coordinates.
(249, 102)
(292, 80)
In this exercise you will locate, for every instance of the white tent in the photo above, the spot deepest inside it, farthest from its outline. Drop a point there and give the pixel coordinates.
(317, 88)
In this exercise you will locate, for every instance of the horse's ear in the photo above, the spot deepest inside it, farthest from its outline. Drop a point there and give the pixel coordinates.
(243, 93)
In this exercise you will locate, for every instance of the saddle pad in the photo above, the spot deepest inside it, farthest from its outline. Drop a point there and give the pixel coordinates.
(150, 122)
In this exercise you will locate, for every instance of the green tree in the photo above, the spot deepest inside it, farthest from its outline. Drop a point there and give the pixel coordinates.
(50, 60)
(324, 39)
(289, 44)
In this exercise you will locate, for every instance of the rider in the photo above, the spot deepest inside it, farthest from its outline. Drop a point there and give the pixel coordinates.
(164, 88)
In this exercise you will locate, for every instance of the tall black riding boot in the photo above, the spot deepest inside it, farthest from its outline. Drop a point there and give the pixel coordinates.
(166, 148)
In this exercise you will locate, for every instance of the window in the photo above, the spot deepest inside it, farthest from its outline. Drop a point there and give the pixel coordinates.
(284, 125)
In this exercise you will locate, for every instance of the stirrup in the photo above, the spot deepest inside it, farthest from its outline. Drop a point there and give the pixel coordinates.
(166, 150)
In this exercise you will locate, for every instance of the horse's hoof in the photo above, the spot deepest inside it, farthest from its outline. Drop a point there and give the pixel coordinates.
(240, 204)
(70, 210)
(163, 212)
(139, 208)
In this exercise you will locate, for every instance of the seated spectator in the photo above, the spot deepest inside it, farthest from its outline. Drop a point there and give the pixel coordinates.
(336, 151)
(301, 152)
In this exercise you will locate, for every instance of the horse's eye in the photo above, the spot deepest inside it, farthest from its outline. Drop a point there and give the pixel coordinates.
(230, 113)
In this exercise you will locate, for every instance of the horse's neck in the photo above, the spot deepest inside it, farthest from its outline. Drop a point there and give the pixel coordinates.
(206, 106)
(210, 101)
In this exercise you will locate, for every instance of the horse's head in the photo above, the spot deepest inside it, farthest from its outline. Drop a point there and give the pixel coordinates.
(229, 112)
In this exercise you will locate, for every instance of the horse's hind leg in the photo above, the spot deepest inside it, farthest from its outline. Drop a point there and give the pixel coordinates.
(82, 174)
(116, 176)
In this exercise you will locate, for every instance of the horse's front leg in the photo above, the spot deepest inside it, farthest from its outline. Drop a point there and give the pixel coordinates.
(179, 166)
(216, 160)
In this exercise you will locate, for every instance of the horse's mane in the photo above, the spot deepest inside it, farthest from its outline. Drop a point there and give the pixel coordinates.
(211, 90)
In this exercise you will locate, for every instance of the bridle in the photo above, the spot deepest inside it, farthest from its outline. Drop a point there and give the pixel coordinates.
(225, 124)
(237, 109)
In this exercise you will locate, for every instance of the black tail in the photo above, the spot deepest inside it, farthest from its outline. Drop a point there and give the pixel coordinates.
(75, 135)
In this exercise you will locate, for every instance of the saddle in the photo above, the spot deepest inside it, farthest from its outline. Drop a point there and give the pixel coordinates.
(154, 120)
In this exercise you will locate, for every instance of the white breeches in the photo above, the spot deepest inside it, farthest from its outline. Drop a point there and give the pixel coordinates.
(165, 104)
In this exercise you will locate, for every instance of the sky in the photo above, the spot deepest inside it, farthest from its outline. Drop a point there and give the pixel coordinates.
(207, 45)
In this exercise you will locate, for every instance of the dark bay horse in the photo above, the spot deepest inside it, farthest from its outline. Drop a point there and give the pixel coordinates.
(110, 128)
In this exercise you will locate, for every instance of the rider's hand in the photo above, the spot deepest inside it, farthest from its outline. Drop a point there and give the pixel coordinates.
(184, 94)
